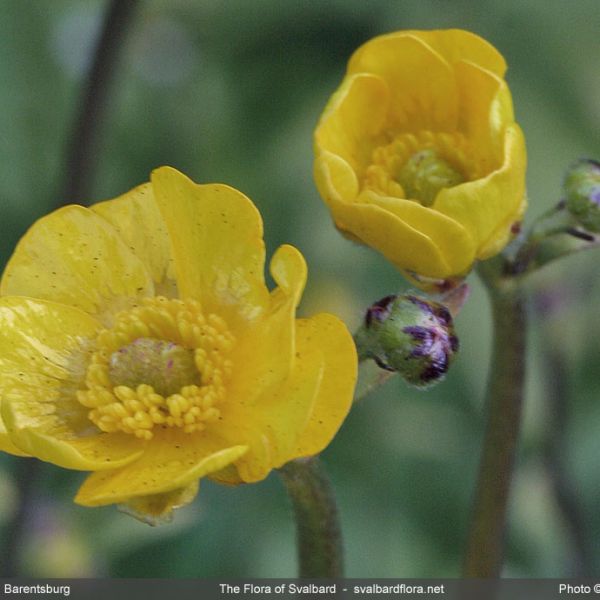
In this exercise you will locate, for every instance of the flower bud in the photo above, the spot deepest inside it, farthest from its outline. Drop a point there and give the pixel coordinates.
(582, 190)
(410, 335)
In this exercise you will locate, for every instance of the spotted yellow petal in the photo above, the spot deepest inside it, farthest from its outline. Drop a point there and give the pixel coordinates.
(173, 460)
(43, 352)
(423, 91)
(75, 257)
(271, 427)
(216, 235)
(456, 45)
(488, 207)
(353, 118)
(327, 335)
(264, 354)
(136, 218)
(303, 415)
(264, 361)
(77, 376)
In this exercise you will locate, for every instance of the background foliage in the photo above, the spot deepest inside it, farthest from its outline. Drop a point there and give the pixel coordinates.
(230, 90)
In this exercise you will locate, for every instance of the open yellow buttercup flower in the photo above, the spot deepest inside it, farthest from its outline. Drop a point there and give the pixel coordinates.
(418, 154)
(138, 341)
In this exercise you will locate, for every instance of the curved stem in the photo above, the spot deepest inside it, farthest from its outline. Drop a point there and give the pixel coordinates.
(319, 535)
(553, 235)
(83, 145)
(485, 545)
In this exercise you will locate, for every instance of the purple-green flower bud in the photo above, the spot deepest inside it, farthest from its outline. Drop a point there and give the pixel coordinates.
(410, 335)
(582, 191)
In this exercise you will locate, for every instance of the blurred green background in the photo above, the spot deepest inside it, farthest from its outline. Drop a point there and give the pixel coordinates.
(230, 91)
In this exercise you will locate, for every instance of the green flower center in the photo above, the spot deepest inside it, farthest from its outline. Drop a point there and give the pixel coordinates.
(418, 166)
(164, 365)
(425, 173)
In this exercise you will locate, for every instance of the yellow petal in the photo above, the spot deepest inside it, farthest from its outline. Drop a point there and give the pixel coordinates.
(158, 508)
(6, 445)
(227, 476)
(449, 236)
(99, 452)
(303, 415)
(136, 218)
(456, 45)
(486, 111)
(327, 335)
(216, 235)
(335, 179)
(75, 257)
(409, 235)
(288, 269)
(400, 243)
(43, 352)
(423, 91)
(263, 361)
(503, 233)
(353, 119)
(488, 207)
(172, 460)
(271, 427)
(263, 355)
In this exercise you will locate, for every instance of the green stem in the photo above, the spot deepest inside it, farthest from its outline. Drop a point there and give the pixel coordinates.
(318, 529)
(553, 235)
(485, 545)
(82, 152)
(552, 222)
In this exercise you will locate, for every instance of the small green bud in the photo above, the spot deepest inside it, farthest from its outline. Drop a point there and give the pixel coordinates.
(424, 174)
(410, 335)
(582, 190)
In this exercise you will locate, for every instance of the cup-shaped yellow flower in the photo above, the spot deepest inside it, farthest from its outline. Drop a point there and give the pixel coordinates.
(138, 341)
(418, 154)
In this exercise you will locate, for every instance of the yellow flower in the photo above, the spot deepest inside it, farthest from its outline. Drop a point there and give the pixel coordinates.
(138, 341)
(418, 154)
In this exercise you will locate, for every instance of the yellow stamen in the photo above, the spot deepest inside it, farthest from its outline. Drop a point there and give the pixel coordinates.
(146, 349)
(385, 173)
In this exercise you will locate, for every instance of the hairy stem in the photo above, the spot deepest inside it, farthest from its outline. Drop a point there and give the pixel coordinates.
(318, 530)
(485, 544)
